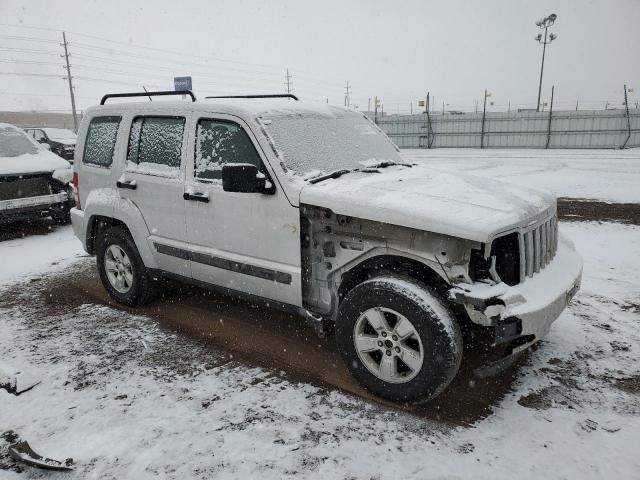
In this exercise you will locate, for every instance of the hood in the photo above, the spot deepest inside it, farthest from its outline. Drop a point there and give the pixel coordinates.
(61, 135)
(424, 198)
(40, 162)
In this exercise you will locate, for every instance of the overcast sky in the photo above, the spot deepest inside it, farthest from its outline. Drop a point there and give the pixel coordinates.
(397, 50)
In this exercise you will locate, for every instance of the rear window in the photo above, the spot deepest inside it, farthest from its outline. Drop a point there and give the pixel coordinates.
(156, 142)
(101, 141)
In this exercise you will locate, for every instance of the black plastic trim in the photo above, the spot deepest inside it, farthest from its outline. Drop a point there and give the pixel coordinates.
(163, 93)
(275, 95)
(224, 264)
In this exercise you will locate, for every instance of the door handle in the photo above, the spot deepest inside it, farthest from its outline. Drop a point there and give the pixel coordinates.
(130, 184)
(198, 197)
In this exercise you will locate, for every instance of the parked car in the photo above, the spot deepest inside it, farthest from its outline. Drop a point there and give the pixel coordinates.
(312, 209)
(33, 181)
(61, 140)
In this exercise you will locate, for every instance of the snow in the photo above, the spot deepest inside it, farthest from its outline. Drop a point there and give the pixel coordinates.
(609, 175)
(434, 200)
(24, 155)
(38, 255)
(327, 138)
(61, 135)
(127, 398)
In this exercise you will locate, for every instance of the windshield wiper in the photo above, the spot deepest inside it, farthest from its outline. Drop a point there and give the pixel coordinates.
(334, 174)
(368, 168)
(386, 163)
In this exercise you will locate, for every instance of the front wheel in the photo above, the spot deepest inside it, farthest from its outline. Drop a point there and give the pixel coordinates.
(399, 339)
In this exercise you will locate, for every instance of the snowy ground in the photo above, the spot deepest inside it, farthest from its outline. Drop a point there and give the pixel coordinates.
(610, 175)
(127, 398)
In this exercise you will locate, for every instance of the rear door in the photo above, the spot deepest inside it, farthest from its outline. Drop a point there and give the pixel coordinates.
(153, 179)
(249, 242)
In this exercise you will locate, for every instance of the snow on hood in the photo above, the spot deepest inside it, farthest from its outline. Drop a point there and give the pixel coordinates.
(40, 162)
(61, 135)
(424, 198)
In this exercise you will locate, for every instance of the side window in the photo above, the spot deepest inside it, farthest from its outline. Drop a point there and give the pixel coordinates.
(219, 142)
(101, 140)
(156, 141)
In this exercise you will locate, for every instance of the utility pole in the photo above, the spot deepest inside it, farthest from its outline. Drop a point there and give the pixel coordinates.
(69, 78)
(369, 105)
(347, 95)
(288, 82)
(544, 23)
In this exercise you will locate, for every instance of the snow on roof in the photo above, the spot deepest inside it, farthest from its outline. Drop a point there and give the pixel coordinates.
(242, 107)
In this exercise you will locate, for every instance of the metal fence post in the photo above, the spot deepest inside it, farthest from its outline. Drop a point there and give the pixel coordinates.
(484, 112)
(550, 114)
(626, 104)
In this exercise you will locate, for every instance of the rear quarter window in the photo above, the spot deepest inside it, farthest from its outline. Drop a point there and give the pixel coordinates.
(101, 141)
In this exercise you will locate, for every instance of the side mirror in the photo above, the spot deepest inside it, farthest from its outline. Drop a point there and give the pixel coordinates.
(46, 146)
(245, 178)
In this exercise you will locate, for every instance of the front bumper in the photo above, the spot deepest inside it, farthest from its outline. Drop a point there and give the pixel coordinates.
(33, 206)
(523, 314)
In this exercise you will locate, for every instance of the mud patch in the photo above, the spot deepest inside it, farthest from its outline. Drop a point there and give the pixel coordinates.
(214, 330)
(580, 210)
(629, 385)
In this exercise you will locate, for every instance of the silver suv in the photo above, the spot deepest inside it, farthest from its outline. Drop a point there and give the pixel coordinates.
(312, 209)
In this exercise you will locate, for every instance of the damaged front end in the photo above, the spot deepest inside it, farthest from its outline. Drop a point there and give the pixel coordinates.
(521, 286)
(35, 194)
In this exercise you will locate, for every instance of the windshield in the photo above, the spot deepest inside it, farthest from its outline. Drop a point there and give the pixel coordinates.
(60, 135)
(327, 139)
(14, 143)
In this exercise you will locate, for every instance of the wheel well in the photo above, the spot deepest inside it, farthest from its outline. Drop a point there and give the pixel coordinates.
(97, 225)
(389, 263)
(406, 266)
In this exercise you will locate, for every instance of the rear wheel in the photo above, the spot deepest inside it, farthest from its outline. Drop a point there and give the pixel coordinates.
(399, 339)
(121, 269)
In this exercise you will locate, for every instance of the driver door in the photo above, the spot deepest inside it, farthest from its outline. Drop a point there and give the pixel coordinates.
(248, 242)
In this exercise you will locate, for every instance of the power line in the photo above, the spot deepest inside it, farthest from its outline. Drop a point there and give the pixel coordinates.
(182, 54)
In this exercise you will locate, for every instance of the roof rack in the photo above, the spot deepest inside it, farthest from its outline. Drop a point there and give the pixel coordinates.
(277, 95)
(149, 94)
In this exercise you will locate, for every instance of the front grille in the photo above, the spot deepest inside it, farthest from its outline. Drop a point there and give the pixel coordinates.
(540, 245)
(20, 187)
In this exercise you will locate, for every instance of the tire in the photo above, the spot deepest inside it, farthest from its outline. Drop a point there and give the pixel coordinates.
(125, 277)
(385, 360)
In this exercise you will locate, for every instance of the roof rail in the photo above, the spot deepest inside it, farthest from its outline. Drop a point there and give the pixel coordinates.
(277, 95)
(149, 94)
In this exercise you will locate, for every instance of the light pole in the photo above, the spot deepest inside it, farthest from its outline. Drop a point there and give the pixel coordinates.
(545, 23)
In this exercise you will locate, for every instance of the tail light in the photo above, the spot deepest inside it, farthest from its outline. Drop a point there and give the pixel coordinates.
(76, 190)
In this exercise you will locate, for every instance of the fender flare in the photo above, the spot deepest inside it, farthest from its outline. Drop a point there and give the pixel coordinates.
(107, 202)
